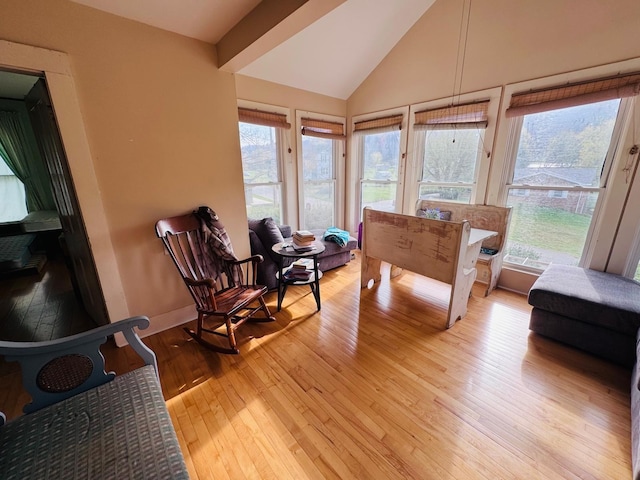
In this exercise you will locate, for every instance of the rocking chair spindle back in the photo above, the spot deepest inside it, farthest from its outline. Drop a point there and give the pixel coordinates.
(229, 296)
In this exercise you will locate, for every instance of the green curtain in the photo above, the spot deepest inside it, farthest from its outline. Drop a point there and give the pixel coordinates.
(30, 170)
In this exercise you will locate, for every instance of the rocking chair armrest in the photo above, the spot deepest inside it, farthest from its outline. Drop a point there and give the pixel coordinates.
(208, 282)
(255, 259)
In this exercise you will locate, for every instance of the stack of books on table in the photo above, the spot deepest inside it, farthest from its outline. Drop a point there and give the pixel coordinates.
(302, 264)
(303, 241)
(297, 274)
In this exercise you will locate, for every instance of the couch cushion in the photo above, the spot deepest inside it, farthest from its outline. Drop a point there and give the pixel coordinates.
(268, 232)
(589, 296)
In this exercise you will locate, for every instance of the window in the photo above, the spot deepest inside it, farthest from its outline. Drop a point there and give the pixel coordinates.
(562, 145)
(321, 148)
(521, 192)
(261, 142)
(451, 141)
(558, 193)
(379, 147)
(449, 145)
(13, 205)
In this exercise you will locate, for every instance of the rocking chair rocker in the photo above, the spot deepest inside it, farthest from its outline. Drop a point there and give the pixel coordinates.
(221, 285)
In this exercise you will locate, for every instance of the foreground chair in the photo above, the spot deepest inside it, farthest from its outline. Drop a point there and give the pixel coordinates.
(85, 422)
(221, 285)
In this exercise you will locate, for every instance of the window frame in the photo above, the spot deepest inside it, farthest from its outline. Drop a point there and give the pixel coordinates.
(339, 166)
(625, 254)
(416, 153)
(283, 154)
(357, 144)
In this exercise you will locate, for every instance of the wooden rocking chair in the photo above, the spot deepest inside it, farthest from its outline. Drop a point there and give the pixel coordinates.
(231, 294)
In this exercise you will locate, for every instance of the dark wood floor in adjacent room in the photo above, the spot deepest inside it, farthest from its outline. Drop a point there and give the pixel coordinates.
(40, 306)
(373, 387)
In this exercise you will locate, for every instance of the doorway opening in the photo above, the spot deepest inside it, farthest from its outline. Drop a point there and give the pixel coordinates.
(49, 285)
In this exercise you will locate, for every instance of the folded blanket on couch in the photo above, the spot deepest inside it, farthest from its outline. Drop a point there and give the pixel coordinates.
(333, 234)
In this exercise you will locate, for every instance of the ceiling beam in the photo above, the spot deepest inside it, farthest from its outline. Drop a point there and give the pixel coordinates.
(269, 24)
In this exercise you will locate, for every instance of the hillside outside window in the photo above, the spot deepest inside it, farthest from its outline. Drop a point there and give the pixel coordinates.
(261, 142)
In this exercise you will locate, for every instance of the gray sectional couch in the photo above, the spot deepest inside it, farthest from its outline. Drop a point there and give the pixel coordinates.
(597, 312)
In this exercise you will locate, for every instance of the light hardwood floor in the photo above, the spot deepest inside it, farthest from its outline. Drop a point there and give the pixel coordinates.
(371, 387)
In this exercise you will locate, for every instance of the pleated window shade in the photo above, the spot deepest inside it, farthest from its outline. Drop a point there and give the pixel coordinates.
(260, 117)
(573, 95)
(467, 115)
(378, 125)
(322, 129)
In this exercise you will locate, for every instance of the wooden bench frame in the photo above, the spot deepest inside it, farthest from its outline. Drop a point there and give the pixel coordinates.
(486, 217)
(433, 248)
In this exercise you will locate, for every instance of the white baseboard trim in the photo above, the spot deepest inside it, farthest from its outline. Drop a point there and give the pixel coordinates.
(162, 322)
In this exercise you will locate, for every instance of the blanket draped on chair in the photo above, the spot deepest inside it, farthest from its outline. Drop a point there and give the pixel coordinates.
(219, 253)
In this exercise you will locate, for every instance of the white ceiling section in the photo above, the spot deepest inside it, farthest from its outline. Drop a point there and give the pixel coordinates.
(332, 56)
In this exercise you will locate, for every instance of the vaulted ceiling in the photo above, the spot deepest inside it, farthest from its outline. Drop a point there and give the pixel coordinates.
(324, 46)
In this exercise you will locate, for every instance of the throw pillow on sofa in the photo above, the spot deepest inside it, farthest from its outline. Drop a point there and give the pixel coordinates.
(268, 232)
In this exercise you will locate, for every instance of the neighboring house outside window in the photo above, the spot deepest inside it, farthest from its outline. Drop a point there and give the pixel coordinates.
(262, 140)
(561, 159)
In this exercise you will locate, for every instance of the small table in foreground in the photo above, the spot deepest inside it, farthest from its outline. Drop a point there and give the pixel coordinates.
(284, 249)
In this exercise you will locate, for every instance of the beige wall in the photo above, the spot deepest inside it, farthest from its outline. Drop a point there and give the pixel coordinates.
(161, 122)
(508, 41)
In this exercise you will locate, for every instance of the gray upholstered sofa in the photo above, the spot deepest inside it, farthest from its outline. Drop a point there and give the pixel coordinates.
(597, 312)
(265, 233)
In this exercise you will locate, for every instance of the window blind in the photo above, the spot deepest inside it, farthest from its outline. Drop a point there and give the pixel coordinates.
(574, 94)
(468, 115)
(322, 129)
(260, 117)
(378, 125)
